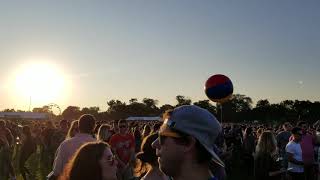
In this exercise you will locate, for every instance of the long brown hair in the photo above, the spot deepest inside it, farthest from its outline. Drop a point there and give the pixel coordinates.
(267, 143)
(85, 164)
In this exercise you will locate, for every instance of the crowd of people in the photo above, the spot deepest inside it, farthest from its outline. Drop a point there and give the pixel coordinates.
(189, 143)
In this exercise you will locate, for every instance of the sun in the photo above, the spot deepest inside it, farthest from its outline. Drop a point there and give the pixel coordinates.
(42, 82)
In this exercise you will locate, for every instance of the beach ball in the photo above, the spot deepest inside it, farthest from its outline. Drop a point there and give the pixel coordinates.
(218, 88)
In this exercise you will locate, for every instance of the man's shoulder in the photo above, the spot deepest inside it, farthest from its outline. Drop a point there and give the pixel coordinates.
(283, 134)
(292, 144)
(66, 142)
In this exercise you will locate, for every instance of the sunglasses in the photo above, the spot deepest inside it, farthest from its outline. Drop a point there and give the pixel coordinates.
(122, 126)
(163, 135)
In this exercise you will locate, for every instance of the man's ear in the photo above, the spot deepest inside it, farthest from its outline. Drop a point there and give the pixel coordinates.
(190, 144)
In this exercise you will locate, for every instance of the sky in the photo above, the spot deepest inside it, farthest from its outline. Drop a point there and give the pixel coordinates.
(105, 50)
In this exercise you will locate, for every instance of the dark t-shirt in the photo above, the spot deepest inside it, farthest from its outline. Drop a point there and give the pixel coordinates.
(28, 147)
(282, 140)
(263, 164)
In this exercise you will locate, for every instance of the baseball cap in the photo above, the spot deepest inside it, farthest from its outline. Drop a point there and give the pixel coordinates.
(198, 123)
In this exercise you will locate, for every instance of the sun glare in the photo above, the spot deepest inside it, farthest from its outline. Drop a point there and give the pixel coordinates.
(43, 83)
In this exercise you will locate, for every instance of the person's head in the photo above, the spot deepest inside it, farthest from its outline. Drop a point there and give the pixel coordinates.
(63, 125)
(50, 125)
(2, 124)
(73, 129)
(147, 156)
(137, 133)
(186, 137)
(297, 133)
(114, 124)
(146, 130)
(104, 133)
(122, 126)
(267, 143)
(156, 127)
(147, 153)
(259, 132)
(303, 125)
(287, 126)
(248, 131)
(93, 160)
(87, 123)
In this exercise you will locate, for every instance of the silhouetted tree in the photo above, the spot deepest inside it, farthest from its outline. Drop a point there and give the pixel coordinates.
(71, 112)
(182, 100)
(206, 105)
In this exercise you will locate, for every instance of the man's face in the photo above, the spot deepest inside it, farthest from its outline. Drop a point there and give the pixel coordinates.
(304, 127)
(298, 135)
(170, 154)
(123, 128)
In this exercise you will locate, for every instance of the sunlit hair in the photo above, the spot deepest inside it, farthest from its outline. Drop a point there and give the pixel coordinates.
(73, 127)
(104, 133)
(146, 130)
(259, 132)
(267, 143)
(147, 156)
(247, 132)
(85, 164)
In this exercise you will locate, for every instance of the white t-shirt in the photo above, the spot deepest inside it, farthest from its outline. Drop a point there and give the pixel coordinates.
(295, 149)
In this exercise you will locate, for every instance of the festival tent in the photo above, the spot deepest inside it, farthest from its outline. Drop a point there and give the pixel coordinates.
(24, 115)
(153, 118)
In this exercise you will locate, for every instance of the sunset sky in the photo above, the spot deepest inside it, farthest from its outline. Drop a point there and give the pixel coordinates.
(85, 53)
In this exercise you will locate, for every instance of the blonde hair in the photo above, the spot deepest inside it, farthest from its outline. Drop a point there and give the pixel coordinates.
(74, 125)
(104, 132)
(267, 143)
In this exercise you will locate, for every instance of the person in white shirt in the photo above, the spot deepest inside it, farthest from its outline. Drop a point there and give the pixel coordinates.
(68, 147)
(294, 152)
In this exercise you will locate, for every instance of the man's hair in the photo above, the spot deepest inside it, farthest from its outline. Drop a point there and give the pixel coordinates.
(295, 130)
(121, 121)
(87, 123)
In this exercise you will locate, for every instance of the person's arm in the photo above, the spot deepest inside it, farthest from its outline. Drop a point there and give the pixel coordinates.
(292, 160)
(58, 161)
(275, 173)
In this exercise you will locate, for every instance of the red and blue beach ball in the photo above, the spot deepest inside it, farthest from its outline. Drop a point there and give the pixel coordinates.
(218, 88)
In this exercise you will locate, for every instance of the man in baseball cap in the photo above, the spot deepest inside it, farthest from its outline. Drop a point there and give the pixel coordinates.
(186, 142)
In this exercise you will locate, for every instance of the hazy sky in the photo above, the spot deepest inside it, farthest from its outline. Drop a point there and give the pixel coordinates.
(159, 49)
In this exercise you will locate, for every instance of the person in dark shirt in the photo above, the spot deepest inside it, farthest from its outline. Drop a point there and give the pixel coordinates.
(282, 141)
(28, 147)
(248, 149)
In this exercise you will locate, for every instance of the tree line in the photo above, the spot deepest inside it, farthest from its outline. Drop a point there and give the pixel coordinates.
(238, 109)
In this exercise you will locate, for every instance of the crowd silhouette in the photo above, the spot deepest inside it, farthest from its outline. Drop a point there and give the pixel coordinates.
(189, 143)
